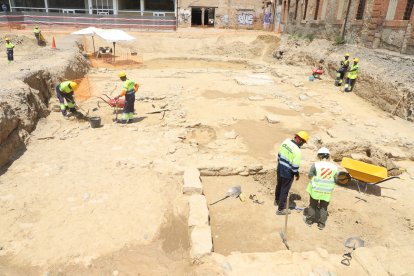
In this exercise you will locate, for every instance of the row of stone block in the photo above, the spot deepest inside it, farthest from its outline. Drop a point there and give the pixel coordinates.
(198, 218)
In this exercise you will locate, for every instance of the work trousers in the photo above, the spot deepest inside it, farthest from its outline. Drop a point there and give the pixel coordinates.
(10, 55)
(282, 190)
(37, 35)
(318, 211)
(128, 111)
(349, 84)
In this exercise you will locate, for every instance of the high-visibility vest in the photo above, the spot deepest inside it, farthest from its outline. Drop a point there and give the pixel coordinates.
(36, 30)
(9, 46)
(353, 72)
(64, 87)
(129, 85)
(345, 62)
(289, 157)
(322, 184)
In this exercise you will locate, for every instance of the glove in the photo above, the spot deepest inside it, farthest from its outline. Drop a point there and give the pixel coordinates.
(64, 112)
(297, 177)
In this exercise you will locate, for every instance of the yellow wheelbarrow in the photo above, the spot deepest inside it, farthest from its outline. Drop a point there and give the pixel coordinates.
(363, 173)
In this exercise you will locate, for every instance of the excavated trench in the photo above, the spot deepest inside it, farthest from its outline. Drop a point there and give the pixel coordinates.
(384, 78)
(28, 101)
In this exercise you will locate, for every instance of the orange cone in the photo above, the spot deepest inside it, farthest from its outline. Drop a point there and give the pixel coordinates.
(53, 43)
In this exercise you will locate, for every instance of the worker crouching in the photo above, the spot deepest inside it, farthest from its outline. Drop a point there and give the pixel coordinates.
(322, 183)
(65, 91)
(129, 89)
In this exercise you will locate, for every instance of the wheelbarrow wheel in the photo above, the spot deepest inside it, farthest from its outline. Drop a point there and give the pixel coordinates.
(343, 178)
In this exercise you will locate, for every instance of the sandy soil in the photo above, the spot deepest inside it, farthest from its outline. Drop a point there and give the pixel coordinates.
(90, 201)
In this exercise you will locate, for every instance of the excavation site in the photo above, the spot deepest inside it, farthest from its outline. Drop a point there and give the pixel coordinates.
(186, 184)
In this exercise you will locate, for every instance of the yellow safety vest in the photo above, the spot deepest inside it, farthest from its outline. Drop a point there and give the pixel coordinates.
(9, 46)
(36, 31)
(353, 72)
(322, 184)
(64, 87)
(129, 85)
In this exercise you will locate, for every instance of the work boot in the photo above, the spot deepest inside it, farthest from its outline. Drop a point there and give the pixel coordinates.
(282, 212)
(307, 221)
(321, 226)
(123, 122)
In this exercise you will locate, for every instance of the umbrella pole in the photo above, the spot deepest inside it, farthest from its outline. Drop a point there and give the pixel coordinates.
(114, 50)
(93, 43)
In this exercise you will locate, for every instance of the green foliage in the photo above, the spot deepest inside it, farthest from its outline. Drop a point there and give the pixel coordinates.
(311, 37)
(339, 40)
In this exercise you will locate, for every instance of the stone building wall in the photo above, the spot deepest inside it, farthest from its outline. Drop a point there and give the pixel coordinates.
(325, 19)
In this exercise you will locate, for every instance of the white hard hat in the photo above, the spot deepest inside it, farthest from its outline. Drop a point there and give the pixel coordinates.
(323, 150)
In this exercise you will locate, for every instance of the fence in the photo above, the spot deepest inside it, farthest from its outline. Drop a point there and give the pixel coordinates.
(136, 21)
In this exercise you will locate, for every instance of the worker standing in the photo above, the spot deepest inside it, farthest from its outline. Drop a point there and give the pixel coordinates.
(129, 89)
(352, 76)
(9, 50)
(340, 73)
(322, 183)
(289, 157)
(38, 34)
(64, 91)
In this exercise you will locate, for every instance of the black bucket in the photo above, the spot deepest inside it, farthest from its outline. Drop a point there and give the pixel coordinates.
(95, 122)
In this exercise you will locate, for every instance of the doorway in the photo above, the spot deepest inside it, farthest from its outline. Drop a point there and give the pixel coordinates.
(202, 17)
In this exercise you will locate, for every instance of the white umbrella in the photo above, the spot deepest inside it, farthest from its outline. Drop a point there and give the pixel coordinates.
(113, 35)
(88, 31)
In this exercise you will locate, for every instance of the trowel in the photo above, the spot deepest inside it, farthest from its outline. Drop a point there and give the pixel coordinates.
(232, 192)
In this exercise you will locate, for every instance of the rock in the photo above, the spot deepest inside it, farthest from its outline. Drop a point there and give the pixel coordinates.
(303, 97)
(192, 182)
(244, 173)
(201, 242)
(255, 98)
(331, 133)
(231, 134)
(272, 118)
(297, 84)
(198, 211)
(172, 149)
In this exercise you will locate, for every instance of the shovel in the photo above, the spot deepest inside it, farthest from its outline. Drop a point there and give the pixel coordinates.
(283, 234)
(232, 192)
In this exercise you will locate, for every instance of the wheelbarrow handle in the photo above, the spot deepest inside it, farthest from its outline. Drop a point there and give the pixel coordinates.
(386, 179)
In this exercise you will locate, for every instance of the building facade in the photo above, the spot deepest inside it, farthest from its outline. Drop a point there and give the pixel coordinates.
(384, 24)
(246, 14)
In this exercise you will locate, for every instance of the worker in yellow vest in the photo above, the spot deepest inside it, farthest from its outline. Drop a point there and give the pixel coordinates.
(288, 160)
(38, 34)
(322, 183)
(129, 89)
(9, 50)
(352, 76)
(340, 73)
(65, 91)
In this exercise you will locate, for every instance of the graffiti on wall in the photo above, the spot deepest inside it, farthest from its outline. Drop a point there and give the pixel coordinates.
(246, 18)
(184, 15)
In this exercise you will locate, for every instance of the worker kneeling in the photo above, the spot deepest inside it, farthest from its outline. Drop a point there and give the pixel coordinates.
(64, 91)
(322, 183)
(129, 89)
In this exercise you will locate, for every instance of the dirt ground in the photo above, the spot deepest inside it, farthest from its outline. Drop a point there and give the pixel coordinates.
(83, 201)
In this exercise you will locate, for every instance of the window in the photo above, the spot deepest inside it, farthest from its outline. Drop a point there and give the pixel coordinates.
(305, 10)
(408, 10)
(391, 10)
(360, 11)
(296, 9)
(315, 16)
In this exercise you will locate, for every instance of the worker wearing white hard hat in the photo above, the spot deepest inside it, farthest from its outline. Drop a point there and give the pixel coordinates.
(321, 185)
